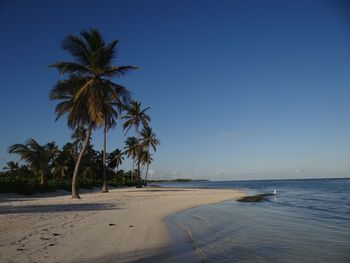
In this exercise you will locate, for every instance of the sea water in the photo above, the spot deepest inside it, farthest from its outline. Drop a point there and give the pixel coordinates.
(306, 221)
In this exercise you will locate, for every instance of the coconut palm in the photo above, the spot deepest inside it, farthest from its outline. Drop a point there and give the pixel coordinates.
(11, 166)
(148, 140)
(64, 162)
(112, 107)
(37, 156)
(146, 160)
(134, 117)
(115, 159)
(77, 110)
(130, 148)
(88, 95)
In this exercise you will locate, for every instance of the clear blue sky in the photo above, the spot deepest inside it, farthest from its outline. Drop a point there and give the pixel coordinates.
(237, 89)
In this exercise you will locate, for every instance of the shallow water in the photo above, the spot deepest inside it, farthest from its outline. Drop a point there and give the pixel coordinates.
(307, 221)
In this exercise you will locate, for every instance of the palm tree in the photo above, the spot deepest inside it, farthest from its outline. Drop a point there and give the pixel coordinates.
(112, 107)
(146, 160)
(64, 162)
(77, 110)
(148, 140)
(88, 94)
(131, 145)
(38, 156)
(115, 159)
(11, 166)
(135, 116)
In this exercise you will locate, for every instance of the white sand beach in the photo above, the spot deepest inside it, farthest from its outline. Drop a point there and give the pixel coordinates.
(124, 225)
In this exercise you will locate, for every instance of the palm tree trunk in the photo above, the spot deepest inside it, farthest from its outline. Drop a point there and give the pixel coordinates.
(42, 178)
(62, 174)
(132, 171)
(75, 193)
(42, 181)
(142, 169)
(146, 174)
(104, 183)
(138, 158)
(116, 175)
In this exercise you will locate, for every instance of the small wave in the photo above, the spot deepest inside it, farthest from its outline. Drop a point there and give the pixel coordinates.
(199, 252)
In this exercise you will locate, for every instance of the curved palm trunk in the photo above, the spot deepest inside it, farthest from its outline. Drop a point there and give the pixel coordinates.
(75, 193)
(104, 183)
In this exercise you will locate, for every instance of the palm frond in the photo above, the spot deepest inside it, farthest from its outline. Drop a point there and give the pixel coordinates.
(77, 48)
(70, 67)
(113, 71)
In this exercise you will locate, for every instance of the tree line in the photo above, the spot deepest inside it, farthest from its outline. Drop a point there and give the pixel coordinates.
(90, 100)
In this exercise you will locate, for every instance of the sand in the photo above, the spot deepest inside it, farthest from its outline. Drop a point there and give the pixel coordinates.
(124, 225)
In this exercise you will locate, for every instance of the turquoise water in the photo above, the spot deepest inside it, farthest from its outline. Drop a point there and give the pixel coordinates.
(307, 221)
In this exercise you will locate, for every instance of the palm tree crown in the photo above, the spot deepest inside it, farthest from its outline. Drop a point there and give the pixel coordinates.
(38, 156)
(89, 94)
(131, 147)
(115, 158)
(135, 116)
(148, 139)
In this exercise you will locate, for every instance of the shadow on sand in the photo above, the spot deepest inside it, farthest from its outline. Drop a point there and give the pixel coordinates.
(8, 209)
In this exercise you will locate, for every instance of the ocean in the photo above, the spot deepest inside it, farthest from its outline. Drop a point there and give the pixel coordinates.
(306, 221)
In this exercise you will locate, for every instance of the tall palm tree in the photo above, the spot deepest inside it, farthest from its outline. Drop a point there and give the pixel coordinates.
(88, 91)
(148, 140)
(115, 159)
(131, 145)
(77, 111)
(38, 157)
(146, 160)
(112, 107)
(134, 117)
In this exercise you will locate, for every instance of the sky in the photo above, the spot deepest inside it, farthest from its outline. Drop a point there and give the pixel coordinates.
(238, 90)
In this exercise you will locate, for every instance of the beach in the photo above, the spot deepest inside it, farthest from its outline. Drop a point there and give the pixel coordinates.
(124, 225)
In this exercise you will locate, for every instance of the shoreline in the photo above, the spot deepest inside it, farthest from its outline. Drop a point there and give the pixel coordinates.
(127, 224)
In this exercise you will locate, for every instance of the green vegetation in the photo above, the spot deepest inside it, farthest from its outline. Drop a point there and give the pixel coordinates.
(90, 99)
(58, 170)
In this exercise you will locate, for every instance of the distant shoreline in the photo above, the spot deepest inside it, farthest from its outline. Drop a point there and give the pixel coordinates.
(177, 180)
